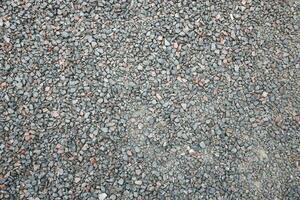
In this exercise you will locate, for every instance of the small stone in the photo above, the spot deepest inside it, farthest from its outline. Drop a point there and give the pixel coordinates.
(85, 147)
(65, 34)
(89, 38)
(129, 153)
(99, 51)
(186, 29)
(236, 68)
(104, 129)
(234, 150)
(213, 46)
(19, 85)
(140, 67)
(86, 115)
(167, 43)
(102, 196)
(59, 149)
(264, 94)
(60, 172)
(202, 145)
(158, 96)
(121, 181)
(138, 172)
(138, 182)
(77, 179)
(184, 106)
(137, 149)
(140, 126)
(175, 45)
(55, 114)
(28, 136)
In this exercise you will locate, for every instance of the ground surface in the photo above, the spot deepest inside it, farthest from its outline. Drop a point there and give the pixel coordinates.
(147, 99)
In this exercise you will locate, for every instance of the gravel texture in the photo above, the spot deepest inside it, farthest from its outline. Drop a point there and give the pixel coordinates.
(149, 99)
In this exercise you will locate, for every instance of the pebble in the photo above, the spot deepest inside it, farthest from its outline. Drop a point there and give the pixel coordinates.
(121, 181)
(138, 182)
(102, 196)
(104, 129)
(202, 145)
(167, 43)
(140, 67)
(264, 94)
(77, 180)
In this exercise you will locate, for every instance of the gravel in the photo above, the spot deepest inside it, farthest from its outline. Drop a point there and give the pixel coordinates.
(146, 99)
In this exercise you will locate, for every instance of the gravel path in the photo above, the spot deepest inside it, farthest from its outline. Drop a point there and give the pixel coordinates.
(149, 99)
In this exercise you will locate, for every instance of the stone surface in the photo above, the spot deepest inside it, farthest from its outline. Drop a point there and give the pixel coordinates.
(123, 99)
